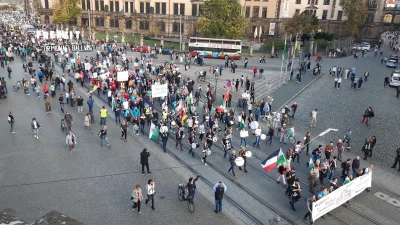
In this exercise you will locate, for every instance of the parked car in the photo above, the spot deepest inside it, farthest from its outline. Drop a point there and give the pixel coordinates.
(395, 79)
(391, 63)
(362, 47)
(166, 51)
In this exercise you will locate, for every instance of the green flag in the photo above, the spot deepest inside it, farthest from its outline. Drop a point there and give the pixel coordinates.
(154, 132)
(281, 158)
(284, 51)
(310, 165)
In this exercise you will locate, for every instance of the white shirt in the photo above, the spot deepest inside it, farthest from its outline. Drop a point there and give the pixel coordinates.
(258, 132)
(150, 189)
(109, 94)
(314, 114)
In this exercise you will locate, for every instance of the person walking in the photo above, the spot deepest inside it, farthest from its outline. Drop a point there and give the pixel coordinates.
(232, 159)
(306, 142)
(164, 139)
(369, 113)
(88, 125)
(355, 166)
(179, 136)
(90, 103)
(79, 103)
(314, 118)
(296, 189)
(150, 192)
(70, 140)
(69, 120)
(137, 197)
(367, 149)
(124, 129)
(9, 71)
(103, 136)
(219, 191)
(103, 115)
(35, 128)
(11, 121)
(47, 103)
(309, 208)
(144, 160)
(397, 159)
(61, 101)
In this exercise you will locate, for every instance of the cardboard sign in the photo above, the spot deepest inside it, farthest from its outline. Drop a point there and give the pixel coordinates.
(122, 76)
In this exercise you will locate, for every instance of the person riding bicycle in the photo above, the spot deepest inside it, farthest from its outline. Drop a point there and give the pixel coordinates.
(191, 186)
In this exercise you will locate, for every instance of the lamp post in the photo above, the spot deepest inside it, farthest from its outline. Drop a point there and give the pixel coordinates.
(215, 88)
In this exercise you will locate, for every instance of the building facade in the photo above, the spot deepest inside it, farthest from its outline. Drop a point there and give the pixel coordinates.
(158, 17)
(322, 9)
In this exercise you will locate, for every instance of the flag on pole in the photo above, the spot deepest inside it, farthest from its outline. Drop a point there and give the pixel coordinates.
(310, 165)
(273, 161)
(284, 50)
(154, 132)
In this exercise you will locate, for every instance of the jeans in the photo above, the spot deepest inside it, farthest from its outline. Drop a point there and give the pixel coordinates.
(243, 140)
(218, 206)
(9, 74)
(179, 142)
(5, 89)
(331, 174)
(257, 141)
(61, 106)
(124, 134)
(293, 112)
(103, 121)
(164, 144)
(117, 117)
(282, 138)
(232, 168)
(142, 128)
(104, 137)
(269, 140)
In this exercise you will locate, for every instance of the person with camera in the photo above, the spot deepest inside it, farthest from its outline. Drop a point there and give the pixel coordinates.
(103, 136)
(70, 140)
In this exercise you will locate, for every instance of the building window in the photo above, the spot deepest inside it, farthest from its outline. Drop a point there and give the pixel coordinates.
(46, 19)
(116, 6)
(128, 24)
(83, 3)
(114, 23)
(161, 25)
(313, 2)
(88, 5)
(96, 5)
(182, 9)
(164, 8)
(157, 8)
(132, 8)
(327, 2)
(324, 14)
(396, 19)
(297, 12)
(175, 27)
(194, 9)
(256, 11)
(247, 12)
(265, 0)
(111, 6)
(388, 18)
(144, 25)
(339, 15)
(176, 8)
(148, 7)
(298, 1)
(99, 22)
(141, 7)
(256, 0)
(264, 12)
(126, 7)
(46, 4)
(101, 5)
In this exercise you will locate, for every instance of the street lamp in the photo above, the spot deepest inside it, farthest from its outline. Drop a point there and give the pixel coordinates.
(216, 83)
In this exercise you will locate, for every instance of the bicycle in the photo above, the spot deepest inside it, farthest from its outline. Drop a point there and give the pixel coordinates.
(17, 86)
(290, 136)
(182, 197)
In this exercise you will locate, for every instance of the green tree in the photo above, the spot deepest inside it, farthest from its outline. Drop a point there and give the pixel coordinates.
(221, 19)
(356, 12)
(306, 22)
(66, 11)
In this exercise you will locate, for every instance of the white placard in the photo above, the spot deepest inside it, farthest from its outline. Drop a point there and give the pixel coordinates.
(159, 90)
(341, 195)
(104, 75)
(87, 66)
(271, 30)
(285, 11)
(95, 75)
(122, 76)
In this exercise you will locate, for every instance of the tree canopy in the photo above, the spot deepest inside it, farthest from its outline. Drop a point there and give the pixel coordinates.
(66, 11)
(356, 12)
(306, 22)
(221, 19)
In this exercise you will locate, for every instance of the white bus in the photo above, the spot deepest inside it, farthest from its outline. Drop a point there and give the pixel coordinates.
(215, 48)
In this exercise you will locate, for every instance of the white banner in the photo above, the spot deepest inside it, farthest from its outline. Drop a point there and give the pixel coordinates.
(271, 29)
(285, 7)
(87, 66)
(341, 195)
(122, 76)
(159, 90)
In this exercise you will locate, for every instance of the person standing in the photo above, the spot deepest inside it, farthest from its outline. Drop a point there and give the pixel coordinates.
(150, 193)
(232, 159)
(242, 154)
(369, 113)
(124, 129)
(137, 197)
(219, 191)
(47, 103)
(314, 118)
(328, 150)
(11, 121)
(103, 116)
(61, 101)
(103, 136)
(367, 149)
(4, 85)
(35, 128)
(294, 108)
(90, 103)
(68, 119)
(179, 136)
(309, 207)
(79, 103)
(9, 72)
(70, 140)
(332, 168)
(144, 160)
(88, 122)
(205, 148)
(397, 159)
(257, 133)
(296, 189)
(164, 139)
(355, 166)
(306, 143)
(314, 177)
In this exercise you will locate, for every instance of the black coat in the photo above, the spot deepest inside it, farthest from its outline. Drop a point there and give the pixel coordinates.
(144, 158)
